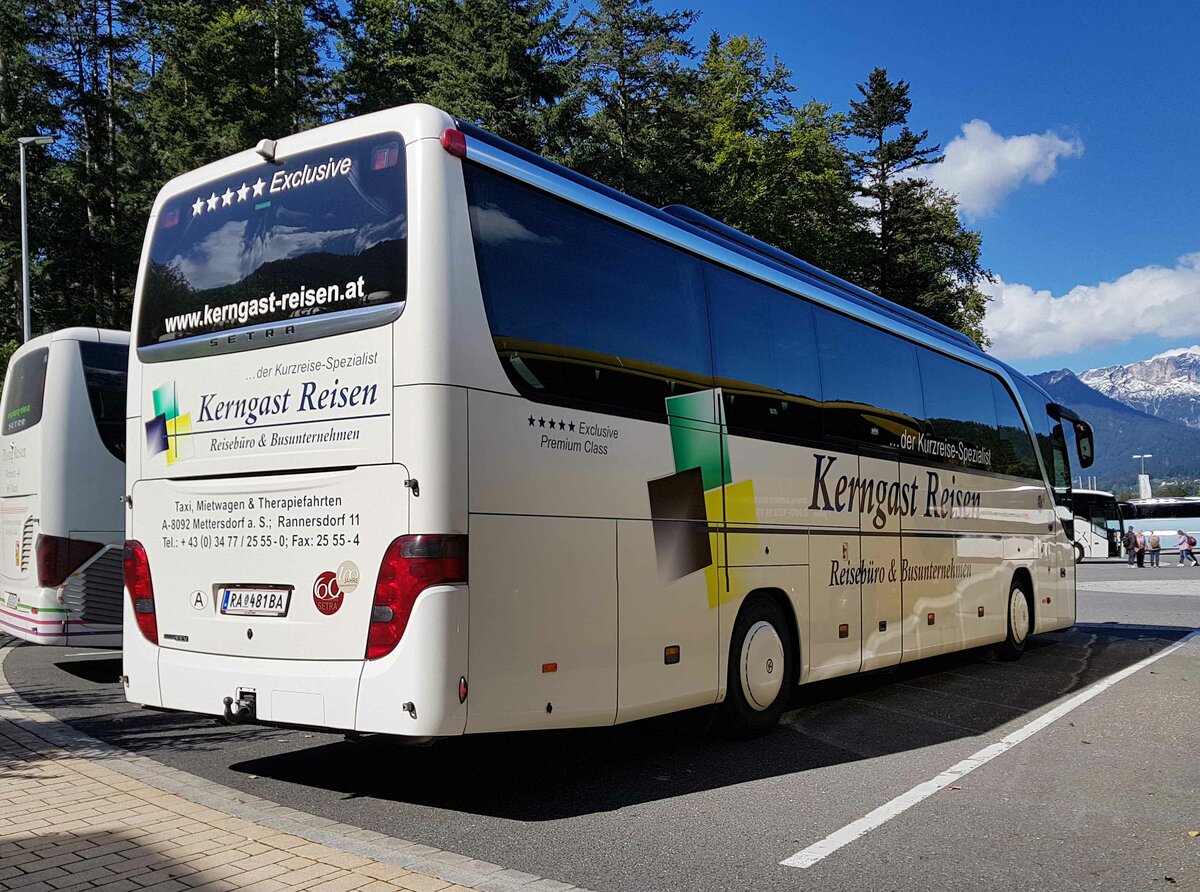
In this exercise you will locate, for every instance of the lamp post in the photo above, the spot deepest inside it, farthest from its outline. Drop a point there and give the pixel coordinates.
(1144, 491)
(24, 141)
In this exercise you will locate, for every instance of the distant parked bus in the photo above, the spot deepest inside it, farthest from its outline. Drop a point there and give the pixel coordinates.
(437, 437)
(62, 525)
(1097, 524)
(1165, 517)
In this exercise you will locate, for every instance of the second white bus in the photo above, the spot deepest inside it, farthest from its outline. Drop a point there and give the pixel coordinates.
(62, 524)
(1098, 527)
(436, 437)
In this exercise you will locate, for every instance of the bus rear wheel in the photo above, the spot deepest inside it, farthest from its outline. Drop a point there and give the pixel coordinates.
(1020, 623)
(762, 670)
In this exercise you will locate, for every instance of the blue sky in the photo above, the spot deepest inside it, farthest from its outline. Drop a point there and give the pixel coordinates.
(1082, 168)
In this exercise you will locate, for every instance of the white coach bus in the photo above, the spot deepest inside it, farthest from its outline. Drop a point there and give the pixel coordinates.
(1098, 528)
(436, 437)
(62, 526)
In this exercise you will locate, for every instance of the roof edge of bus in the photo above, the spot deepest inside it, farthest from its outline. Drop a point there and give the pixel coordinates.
(425, 122)
(76, 333)
(739, 242)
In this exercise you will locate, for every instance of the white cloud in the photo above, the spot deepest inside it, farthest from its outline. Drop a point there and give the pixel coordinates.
(1153, 300)
(982, 167)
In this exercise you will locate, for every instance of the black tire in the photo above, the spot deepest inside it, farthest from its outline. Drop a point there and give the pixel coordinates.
(1020, 612)
(1078, 553)
(761, 638)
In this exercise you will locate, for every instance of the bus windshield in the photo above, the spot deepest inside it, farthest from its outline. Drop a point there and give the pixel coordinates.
(320, 232)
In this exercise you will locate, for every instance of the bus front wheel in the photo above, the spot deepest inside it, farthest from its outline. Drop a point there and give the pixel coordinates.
(762, 670)
(1078, 553)
(1020, 623)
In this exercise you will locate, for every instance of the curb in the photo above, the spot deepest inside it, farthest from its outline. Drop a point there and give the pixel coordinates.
(447, 866)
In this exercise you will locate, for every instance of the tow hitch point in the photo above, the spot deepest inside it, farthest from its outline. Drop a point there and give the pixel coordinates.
(240, 710)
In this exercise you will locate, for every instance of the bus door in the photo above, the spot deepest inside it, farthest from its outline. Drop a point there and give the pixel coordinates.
(882, 624)
(1062, 543)
(836, 571)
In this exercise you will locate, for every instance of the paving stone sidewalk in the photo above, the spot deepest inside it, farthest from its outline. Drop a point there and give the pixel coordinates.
(77, 814)
(67, 823)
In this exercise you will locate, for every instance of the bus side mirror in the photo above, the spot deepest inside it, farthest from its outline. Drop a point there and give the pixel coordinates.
(1085, 444)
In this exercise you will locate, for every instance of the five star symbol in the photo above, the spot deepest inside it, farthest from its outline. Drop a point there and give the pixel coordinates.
(560, 424)
(226, 198)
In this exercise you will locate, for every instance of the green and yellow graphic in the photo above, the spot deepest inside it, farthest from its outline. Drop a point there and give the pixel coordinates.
(690, 507)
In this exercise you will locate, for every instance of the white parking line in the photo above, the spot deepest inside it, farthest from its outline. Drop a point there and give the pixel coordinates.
(96, 653)
(864, 825)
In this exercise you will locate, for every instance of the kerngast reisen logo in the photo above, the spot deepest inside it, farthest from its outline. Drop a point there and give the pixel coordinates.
(171, 432)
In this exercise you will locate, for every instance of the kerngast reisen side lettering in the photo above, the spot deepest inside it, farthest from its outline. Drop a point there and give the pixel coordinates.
(313, 398)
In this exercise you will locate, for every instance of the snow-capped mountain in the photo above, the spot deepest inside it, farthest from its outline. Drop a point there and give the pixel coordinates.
(1165, 386)
(1122, 431)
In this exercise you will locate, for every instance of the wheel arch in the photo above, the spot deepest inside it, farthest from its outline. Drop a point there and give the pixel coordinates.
(1024, 580)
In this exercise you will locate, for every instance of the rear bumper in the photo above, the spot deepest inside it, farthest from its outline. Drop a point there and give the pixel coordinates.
(347, 695)
(38, 617)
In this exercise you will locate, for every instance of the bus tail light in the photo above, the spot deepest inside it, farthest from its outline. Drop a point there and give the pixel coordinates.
(410, 565)
(141, 589)
(59, 557)
(454, 142)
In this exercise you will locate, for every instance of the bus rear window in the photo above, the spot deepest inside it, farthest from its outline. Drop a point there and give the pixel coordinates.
(104, 373)
(24, 389)
(321, 232)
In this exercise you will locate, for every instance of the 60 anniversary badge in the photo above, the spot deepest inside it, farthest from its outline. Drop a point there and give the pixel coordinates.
(330, 588)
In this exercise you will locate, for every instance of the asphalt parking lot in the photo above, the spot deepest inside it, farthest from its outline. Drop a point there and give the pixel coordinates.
(1101, 796)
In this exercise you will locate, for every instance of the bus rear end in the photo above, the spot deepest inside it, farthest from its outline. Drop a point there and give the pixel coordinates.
(297, 548)
(61, 523)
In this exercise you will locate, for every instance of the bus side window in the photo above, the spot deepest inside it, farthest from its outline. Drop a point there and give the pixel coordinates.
(870, 381)
(582, 308)
(765, 356)
(1035, 405)
(104, 373)
(1015, 450)
(959, 409)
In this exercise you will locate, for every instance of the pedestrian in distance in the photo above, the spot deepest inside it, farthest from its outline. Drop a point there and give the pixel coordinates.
(1186, 544)
(1139, 547)
(1155, 545)
(1128, 542)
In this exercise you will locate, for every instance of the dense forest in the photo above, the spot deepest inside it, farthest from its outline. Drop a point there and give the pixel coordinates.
(640, 97)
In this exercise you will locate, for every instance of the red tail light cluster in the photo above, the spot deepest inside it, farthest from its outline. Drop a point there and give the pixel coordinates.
(59, 557)
(410, 565)
(141, 589)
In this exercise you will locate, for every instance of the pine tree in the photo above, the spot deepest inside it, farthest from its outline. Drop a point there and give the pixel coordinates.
(502, 64)
(921, 255)
(777, 172)
(642, 134)
(28, 85)
(384, 52)
(227, 74)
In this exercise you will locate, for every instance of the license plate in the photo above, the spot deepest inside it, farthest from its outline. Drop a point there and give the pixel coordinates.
(255, 601)
(11, 603)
